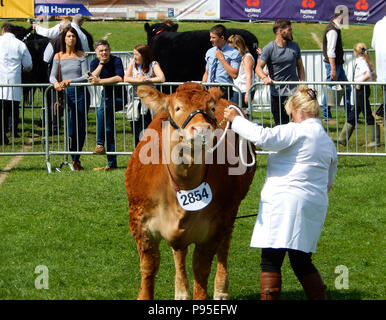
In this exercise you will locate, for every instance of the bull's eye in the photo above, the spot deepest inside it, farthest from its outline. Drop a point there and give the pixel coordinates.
(177, 109)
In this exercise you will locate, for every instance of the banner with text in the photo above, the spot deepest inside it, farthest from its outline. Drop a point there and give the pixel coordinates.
(16, 9)
(361, 11)
(137, 9)
(60, 9)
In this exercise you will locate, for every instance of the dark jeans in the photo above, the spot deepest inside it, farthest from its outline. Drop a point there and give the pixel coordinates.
(78, 100)
(9, 119)
(106, 116)
(280, 116)
(301, 262)
(235, 99)
(362, 105)
(340, 76)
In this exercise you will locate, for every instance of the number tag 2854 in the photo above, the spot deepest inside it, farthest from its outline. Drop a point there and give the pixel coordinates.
(195, 199)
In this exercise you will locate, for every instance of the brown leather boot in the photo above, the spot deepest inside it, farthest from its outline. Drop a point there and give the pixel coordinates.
(314, 286)
(270, 285)
(77, 166)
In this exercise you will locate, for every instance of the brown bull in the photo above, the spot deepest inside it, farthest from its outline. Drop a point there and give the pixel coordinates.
(153, 186)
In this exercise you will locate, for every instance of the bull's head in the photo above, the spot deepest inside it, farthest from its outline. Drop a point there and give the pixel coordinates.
(191, 118)
(157, 28)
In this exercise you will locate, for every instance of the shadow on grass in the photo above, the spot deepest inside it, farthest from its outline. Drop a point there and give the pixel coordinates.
(300, 295)
(358, 165)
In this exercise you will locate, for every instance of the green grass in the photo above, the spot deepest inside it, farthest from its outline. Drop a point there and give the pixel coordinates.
(76, 224)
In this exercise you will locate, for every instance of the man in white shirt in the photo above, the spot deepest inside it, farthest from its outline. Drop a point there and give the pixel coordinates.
(333, 61)
(53, 32)
(379, 44)
(13, 56)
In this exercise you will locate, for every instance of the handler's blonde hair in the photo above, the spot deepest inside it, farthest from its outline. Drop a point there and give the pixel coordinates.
(305, 99)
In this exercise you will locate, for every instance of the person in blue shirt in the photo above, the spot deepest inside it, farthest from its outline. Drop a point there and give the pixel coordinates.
(107, 69)
(222, 61)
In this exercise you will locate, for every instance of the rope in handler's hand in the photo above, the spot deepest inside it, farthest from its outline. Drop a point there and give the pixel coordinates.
(240, 141)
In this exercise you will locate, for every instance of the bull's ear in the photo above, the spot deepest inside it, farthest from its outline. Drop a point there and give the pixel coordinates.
(174, 27)
(216, 93)
(154, 99)
(147, 27)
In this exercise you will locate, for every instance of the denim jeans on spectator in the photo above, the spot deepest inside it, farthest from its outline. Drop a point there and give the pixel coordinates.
(340, 76)
(107, 108)
(77, 102)
(279, 114)
(235, 99)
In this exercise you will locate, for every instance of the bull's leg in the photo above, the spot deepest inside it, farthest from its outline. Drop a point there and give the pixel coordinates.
(149, 262)
(202, 260)
(221, 284)
(181, 284)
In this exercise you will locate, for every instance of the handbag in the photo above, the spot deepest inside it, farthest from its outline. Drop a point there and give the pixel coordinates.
(58, 104)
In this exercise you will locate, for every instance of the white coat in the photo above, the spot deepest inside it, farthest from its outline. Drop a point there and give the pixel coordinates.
(379, 44)
(13, 55)
(294, 199)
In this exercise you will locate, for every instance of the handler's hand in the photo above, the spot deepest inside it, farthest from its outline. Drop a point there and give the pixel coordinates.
(230, 114)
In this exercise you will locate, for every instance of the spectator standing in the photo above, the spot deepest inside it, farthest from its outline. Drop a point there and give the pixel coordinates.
(14, 56)
(294, 199)
(142, 68)
(364, 71)
(52, 48)
(222, 61)
(70, 66)
(246, 76)
(77, 22)
(333, 62)
(283, 58)
(107, 69)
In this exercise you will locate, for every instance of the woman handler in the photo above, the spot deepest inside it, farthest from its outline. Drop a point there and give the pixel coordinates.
(294, 199)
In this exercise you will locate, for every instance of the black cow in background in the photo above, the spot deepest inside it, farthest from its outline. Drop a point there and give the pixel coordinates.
(36, 45)
(181, 55)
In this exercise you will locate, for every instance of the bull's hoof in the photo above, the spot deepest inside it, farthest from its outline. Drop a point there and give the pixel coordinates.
(221, 296)
(182, 297)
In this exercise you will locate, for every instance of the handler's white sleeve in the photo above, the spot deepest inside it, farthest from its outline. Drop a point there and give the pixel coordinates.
(26, 60)
(48, 32)
(272, 139)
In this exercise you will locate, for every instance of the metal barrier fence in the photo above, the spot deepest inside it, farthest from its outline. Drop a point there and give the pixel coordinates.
(312, 60)
(367, 127)
(119, 131)
(44, 131)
